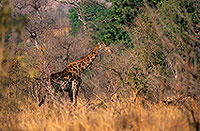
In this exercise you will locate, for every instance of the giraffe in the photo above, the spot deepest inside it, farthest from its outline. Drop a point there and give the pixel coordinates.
(69, 79)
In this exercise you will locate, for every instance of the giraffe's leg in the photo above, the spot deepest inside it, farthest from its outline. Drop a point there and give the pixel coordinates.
(74, 92)
(42, 101)
(75, 88)
(70, 95)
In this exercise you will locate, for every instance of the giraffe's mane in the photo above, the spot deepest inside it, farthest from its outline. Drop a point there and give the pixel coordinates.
(97, 46)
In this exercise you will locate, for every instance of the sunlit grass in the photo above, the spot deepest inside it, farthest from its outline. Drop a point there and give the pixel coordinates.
(124, 115)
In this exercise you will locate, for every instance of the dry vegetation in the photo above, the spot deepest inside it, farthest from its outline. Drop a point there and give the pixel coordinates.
(153, 86)
(132, 114)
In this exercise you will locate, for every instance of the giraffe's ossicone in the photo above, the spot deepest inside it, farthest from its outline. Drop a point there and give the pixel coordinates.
(69, 80)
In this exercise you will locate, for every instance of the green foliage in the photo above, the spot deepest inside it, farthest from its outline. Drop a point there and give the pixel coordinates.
(75, 22)
(181, 20)
(153, 3)
(180, 12)
(124, 11)
(107, 24)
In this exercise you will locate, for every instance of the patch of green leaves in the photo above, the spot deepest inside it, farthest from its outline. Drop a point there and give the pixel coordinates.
(107, 24)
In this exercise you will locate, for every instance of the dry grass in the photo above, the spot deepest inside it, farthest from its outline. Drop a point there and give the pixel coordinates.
(133, 114)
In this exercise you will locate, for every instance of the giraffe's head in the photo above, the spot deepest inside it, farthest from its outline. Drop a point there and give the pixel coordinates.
(105, 47)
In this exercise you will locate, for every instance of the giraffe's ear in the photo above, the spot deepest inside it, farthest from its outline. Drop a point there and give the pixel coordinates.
(108, 49)
(103, 44)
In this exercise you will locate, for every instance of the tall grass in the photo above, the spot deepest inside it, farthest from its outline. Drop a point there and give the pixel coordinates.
(137, 114)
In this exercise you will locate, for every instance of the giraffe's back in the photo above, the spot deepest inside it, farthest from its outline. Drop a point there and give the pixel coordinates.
(61, 81)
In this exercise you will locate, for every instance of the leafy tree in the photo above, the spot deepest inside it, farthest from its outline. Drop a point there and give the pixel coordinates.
(75, 22)
(108, 24)
(124, 11)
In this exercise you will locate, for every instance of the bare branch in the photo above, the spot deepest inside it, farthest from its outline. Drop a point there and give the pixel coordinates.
(80, 16)
(69, 2)
(76, 6)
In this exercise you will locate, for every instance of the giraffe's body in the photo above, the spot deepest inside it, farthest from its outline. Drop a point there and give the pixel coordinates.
(69, 79)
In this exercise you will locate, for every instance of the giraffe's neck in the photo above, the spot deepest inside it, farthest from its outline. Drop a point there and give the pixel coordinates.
(79, 66)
